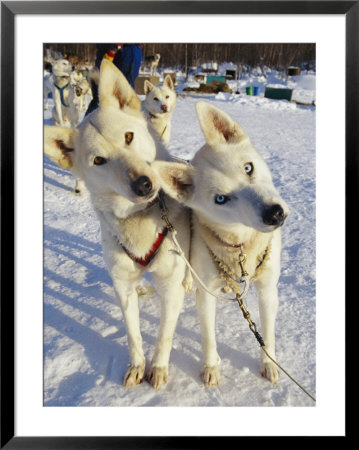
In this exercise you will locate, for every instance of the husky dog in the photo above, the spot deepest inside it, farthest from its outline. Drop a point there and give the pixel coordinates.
(152, 61)
(80, 90)
(58, 84)
(235, 208)
(158, 106)
(111, 150)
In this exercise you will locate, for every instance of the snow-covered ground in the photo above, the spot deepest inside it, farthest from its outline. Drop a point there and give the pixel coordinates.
(85, 346)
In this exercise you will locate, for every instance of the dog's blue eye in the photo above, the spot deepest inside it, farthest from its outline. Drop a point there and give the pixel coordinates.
(248, 168)
(221, 199)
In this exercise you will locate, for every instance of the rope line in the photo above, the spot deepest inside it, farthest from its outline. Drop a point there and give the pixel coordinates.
(239, 297)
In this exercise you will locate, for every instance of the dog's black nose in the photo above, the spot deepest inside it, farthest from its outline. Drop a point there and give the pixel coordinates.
(142, 186)
(274, 215)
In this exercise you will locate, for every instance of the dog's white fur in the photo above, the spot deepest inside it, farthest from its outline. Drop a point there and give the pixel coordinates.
(117, 131)
(158, 106)
(221, 168)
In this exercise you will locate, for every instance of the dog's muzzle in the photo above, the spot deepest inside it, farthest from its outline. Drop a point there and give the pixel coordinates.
(274, 215)
(142, 186)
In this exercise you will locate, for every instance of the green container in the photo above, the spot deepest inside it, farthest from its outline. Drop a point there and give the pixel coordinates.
(249, 90)
(215, 78)
(279, 93)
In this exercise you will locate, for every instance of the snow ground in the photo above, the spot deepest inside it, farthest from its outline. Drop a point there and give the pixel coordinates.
(85, 346)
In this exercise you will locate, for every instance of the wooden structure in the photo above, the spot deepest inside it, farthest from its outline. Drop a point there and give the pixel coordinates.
(140, 83)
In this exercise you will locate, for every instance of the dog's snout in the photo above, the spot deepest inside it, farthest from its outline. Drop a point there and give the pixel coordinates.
(164, 108)
(142, 186)
(274, 215)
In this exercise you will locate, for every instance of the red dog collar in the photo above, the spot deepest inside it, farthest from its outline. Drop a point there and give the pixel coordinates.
(151, 254)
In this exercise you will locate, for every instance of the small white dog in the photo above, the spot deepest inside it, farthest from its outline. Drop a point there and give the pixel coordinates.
(158, 107)
(236, 209)
(111, 150)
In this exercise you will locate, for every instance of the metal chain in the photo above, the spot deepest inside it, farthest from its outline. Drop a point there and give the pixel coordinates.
(230, 280)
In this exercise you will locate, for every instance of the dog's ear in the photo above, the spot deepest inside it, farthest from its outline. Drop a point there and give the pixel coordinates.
(217, 126)
(176, 179)
(59, 145)
(114, 89)
(148, 87)
(168, 82)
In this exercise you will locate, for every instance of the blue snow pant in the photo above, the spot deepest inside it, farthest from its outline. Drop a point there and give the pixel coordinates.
(128, 60)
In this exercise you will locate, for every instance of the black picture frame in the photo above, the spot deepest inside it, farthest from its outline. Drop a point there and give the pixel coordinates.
(9, 9)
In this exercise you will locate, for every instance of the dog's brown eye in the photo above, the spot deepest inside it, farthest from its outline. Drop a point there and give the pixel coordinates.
(98, 161)
(167, 96)
(128, 137)
(156, 99)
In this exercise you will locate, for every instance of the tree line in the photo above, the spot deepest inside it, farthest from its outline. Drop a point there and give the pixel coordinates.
(192, 55)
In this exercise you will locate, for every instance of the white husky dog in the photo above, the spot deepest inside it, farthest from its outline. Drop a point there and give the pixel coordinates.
(236, 208)
(59, 84)
(80, 91)
(111, 151)
(158, 106)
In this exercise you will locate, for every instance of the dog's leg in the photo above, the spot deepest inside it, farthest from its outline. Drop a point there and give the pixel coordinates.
(73, 114)
(58, 108)
(206, 307)
(266, 287)
(128, 299)
(171, 304)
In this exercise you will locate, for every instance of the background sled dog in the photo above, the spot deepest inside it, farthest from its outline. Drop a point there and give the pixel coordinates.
(152, 61)
(230, 189)
(80, 90)
(111, 151)
(59, 85)
(158, 106)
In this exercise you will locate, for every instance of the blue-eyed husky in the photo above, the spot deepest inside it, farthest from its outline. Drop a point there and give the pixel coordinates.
(236, 209)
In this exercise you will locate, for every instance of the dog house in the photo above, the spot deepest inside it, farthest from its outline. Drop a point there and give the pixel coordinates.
(140, 83)
(210, 67)
(231, 74)
(293, 70)
(278, 93)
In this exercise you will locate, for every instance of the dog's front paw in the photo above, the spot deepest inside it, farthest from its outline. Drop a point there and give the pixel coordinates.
(133, 376)
(157, 376)
(270, 370)
(210, 375)
(145, 291)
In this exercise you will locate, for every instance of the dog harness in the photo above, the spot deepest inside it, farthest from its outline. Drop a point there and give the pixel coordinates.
(151, 117)
(62, 94)
(151, 254)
